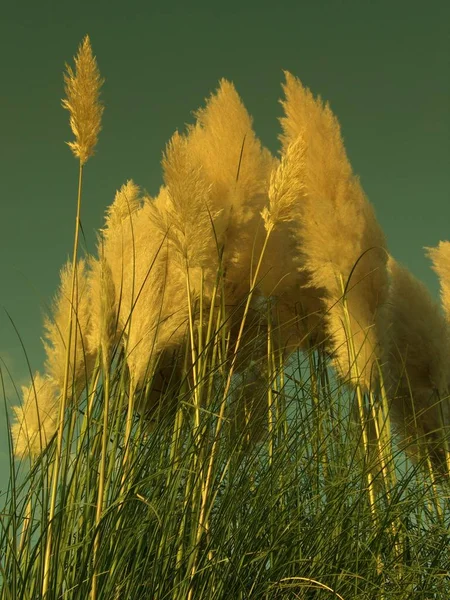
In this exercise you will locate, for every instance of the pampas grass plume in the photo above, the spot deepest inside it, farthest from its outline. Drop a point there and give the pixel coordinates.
(335, 226)
(286, 185)
(237, 166)
(103, 316)
(440, 257)
(36, 421)
(80, 361)
(416, 348)
(83, 89)
(150, 297)
(119, 248)
(187, 217)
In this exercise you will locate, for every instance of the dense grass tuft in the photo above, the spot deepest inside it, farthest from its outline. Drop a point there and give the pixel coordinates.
(214, 420)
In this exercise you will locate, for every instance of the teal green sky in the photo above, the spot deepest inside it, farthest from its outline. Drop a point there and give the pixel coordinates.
(384, 67)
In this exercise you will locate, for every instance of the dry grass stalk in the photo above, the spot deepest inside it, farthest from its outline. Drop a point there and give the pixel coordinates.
(82, 91)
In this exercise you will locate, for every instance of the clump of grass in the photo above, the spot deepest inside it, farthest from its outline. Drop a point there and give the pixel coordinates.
(176, 450)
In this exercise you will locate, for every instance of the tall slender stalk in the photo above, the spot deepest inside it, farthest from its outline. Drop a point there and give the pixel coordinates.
(85, 110)
(101, 478)
(360, 400)
(62, 411)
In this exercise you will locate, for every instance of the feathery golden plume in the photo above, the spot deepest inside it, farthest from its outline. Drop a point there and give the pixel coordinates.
(80, 360)
(440, 256)
(36, 421)
(320, 128)
(126, 202)
(119, 249)
(297, 311)
(187, 217)
(223, 142)
(286, 185)
(128, 250)
(150, 297)
(335, 226)
(103, 320)
(238, 168)
(182, 222)
(415, 347)
(82, 102)
(160, 311)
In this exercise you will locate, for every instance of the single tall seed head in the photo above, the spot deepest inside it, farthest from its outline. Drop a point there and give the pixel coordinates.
(82, 102)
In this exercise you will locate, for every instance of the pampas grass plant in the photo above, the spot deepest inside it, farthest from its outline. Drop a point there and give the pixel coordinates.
(214, 418)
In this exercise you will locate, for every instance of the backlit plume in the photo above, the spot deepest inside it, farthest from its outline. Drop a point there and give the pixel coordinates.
(440, 257)
(228, 206)
(83, 89)
(56, 330)
(336, 232)
(36, 420)
(416, 347)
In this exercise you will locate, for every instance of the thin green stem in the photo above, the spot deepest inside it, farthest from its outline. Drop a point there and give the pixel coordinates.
(59, 447)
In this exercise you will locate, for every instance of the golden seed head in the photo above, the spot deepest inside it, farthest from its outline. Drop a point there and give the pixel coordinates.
(286, 184)
(82, 91)
(440, 257)
(56, 328)
(36, 419)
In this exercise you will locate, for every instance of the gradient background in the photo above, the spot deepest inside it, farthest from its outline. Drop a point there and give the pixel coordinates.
(384, 66)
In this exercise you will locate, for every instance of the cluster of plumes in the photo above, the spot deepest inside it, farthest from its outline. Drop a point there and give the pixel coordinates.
(333, 232)
(225, 196)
